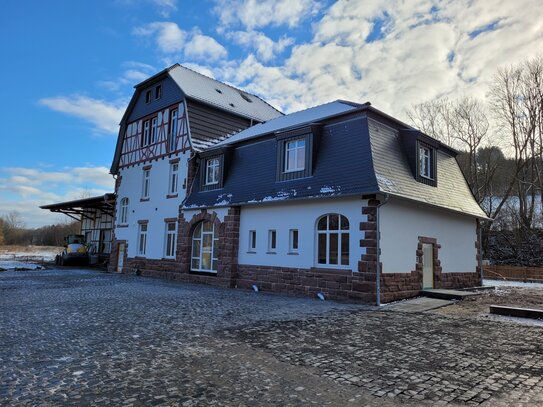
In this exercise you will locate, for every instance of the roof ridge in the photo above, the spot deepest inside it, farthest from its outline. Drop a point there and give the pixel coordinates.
(226, 84)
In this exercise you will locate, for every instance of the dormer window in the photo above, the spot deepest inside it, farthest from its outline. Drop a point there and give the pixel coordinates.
(295, 155)
(426, 163)
(148, 97)
(158, 92)
(212, 171)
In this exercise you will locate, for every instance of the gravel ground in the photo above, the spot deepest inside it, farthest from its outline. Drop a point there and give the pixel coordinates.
(78, 337)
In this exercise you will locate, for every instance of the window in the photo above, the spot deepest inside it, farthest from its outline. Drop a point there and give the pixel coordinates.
(293, 241)
(212, 171)
(154, 129)
(333, 240)
(173, 130)
(145, 135)
(158, 92)
(425, 162)
(272, 241)
(142, 239)
(171, 240)
(146, 183)
(174, 176)
(148, 96)
(252, 240)
(295, 155)
(204, 248)
(123, 211)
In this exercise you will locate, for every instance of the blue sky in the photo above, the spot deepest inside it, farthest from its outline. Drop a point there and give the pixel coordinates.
(69, 68)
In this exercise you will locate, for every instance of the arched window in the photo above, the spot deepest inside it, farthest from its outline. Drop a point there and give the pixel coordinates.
(333, 240)
(204, 248)
(123, 211)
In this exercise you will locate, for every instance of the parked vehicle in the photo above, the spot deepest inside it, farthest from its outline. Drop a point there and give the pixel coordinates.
(75, 251)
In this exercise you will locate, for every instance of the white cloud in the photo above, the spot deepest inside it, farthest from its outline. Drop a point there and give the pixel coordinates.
(265, 47)
(393, 55)
(105, 116)
(261, 13)
(25, 189)
(168, 36)
(203, 47)
(165, 7)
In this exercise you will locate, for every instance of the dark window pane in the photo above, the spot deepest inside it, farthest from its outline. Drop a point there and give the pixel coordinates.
(334, 222)
(206, 241)
(195, 248)
(198, 231)
(214, 265)
(345, 249)
(322, 223)
(344, 223)
(208, 227)
(273, 239)
(333, 248)
(195, 264)
(322, 248)
(295, 239)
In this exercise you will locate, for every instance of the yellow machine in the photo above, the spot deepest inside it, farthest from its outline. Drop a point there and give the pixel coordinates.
(74, 251)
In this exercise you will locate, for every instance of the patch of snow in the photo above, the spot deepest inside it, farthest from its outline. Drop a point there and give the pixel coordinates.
(329, 190)
(505, 283)
(18, 265)
(274, 198)
(386, 183)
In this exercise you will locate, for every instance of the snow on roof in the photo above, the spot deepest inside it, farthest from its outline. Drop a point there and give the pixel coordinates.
(292, 120)
(213, 92)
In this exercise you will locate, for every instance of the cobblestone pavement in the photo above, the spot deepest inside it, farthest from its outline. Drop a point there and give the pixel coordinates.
(85, 338)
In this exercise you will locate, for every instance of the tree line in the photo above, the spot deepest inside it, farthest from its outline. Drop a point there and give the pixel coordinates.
(500, 144)
(14, 232)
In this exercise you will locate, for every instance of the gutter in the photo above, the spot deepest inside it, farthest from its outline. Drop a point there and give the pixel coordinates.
(378, 250)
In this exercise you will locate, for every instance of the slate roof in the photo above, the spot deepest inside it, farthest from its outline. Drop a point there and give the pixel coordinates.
(295, 119)
(359, 153)
(213, 92)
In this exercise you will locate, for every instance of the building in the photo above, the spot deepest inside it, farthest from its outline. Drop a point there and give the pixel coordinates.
(96, 217)
(215, 186)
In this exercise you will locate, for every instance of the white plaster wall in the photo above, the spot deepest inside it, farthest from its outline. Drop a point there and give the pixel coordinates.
(301, 215)
(402, 222)
(155, 210)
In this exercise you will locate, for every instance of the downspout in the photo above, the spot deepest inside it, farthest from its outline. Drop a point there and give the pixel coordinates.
(378, 250)
(480, 260)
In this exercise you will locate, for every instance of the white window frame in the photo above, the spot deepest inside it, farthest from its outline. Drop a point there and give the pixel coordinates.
(123, 211)
(142, 239)
(328, 232)
(212, 171)
(425, 162)
(272, 241)
(170, 241)
(294, 147)
(252, 241)
(173, 129)
(146, 139)
(146, 185)
(174, 178)
(154, 129)
(214, 247)
(291, 233)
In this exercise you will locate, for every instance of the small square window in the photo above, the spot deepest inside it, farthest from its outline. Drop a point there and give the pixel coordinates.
(148, 96)
(212, 171)
(252, 240)
(272, 241)
(158, 92)
(293, 241)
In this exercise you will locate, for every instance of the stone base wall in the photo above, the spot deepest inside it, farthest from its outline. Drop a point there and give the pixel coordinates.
(334, 284)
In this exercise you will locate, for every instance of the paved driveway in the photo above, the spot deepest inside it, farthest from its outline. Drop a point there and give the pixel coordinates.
(87, 338)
